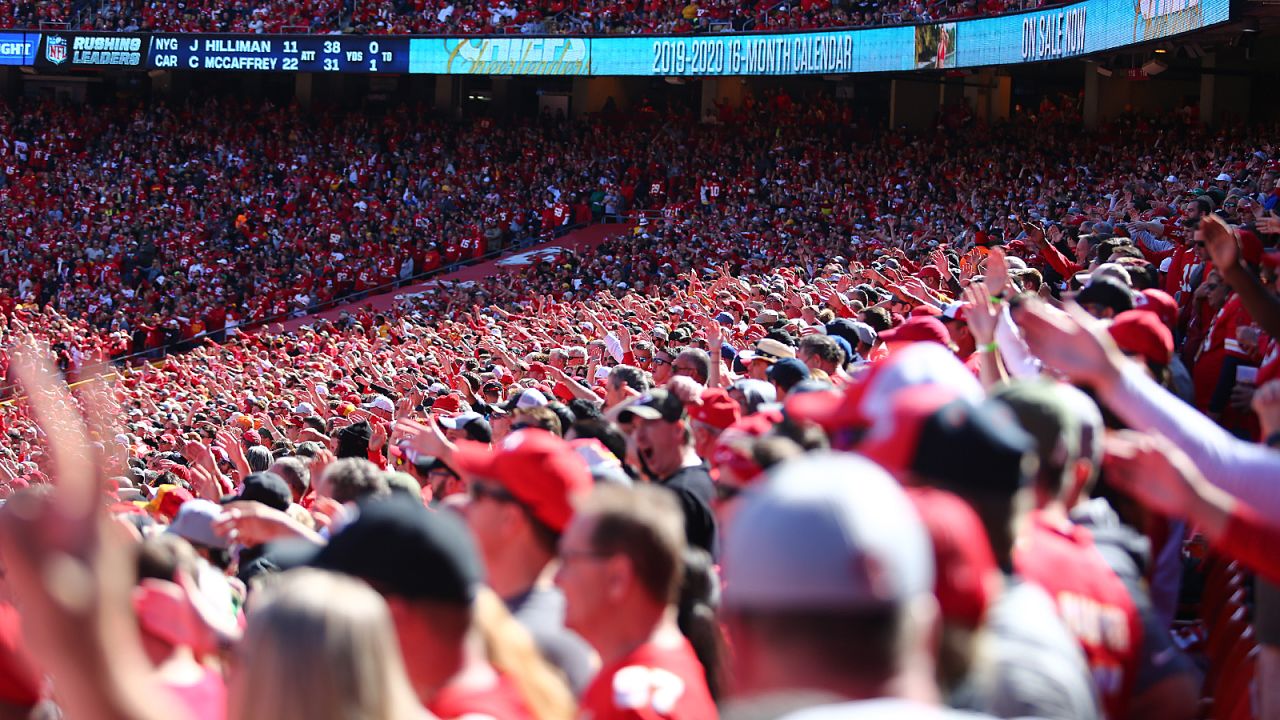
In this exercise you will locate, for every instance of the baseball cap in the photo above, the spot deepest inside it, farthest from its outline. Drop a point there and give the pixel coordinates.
(717, 409)
(767, 317)
(1102, 230)
(657, 404)
(1142, 333)
(194, 523)
(934, 434)
(424, 464)
(379, 402)
(920, 328)
(861, 542)
(967, 578)
(1223, 177)
(267, 488)
(304, 408)
(1116, 271)
(1044, 413)
(1108, 293)
(852, 331)
(862, 403)
(400, 548)
(787, 372)
(473, 424)
(605, 467)
(955, 311)
(1251, 250)
(528, 398)
(1159, 302)
(169, 500)
(542, 472)
(768, 350)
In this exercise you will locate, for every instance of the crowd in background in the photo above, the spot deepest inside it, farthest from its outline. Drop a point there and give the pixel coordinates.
(476, 17)
(842, 420)
(189, 222)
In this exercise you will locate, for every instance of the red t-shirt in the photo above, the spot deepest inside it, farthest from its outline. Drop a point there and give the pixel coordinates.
(652, 683)
(1092, 600)
(206, 699)
(500, 703)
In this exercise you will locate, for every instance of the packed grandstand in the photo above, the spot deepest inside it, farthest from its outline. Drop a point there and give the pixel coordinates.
(445, 17)
(798, 398)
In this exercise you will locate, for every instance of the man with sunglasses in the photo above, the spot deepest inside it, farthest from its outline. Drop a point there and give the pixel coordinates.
(522, 495)
(663, 366)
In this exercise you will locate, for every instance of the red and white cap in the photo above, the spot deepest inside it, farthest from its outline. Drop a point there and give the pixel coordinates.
(541, 471)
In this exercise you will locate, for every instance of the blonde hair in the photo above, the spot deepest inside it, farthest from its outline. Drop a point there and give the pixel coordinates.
(320, 646)
(512, 652)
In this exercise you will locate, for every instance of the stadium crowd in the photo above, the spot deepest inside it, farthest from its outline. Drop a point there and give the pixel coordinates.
(476, 17)
(845, 423)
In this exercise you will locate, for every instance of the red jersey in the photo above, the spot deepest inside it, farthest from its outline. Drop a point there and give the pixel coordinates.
(652, 683)
(500, 703)
(1218, 343)
(1092, 600)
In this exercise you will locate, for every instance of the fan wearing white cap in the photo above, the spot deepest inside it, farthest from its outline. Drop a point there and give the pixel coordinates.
(829, 596)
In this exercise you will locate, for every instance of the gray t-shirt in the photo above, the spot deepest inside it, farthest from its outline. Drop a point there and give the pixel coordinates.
(541, 612)
(816, 705)
(1027, 664)
(881, 709)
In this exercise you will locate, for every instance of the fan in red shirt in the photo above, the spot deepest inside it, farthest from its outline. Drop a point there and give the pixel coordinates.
(621, 569)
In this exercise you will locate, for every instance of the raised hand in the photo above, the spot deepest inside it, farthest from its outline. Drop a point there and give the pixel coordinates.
(1266, 403)
(252, 523)
(1161, 477)
(69, 567)
(997, 273)
(425, 438)
(982, 315)
(1071, 343)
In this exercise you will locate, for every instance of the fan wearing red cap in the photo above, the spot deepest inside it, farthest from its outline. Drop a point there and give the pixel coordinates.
(919, 328)
(712, 416)
(1141, 335)
(522, 495)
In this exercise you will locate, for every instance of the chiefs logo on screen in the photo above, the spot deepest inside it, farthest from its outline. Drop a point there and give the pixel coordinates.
(55, 49)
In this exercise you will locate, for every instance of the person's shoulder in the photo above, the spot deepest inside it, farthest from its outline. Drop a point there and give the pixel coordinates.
(693, 476)
(881, 709)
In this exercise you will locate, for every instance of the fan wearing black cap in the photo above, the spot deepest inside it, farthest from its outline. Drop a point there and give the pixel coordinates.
(272, 491)
(1030, 665)
(663, 437)
(427, 568)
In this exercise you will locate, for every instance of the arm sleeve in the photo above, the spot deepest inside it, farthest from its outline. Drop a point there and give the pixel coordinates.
(1018, 359)
(1249, 472)
(1058, 261)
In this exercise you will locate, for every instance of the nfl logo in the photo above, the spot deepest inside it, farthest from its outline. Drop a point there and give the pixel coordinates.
(55, 49)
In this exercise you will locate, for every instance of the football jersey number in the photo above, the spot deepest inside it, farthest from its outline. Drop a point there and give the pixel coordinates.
(638, 687)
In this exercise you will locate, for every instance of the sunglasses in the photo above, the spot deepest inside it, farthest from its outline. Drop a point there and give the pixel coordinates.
(662, 361)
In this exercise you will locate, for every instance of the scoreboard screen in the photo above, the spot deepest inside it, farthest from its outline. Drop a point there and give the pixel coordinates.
(281, 53)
